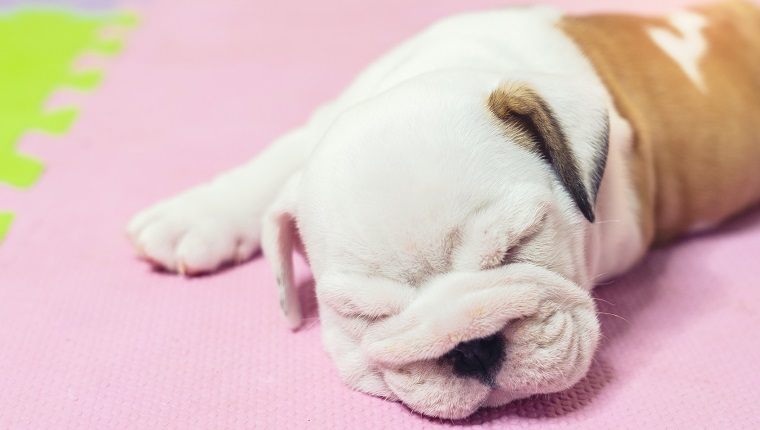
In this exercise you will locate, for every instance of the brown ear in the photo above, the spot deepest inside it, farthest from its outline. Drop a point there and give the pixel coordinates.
(537, 128)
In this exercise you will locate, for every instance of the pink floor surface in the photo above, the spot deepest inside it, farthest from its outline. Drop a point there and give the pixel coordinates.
(92, 338)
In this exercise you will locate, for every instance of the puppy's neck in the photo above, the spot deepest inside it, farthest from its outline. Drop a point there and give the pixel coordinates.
(615, 240)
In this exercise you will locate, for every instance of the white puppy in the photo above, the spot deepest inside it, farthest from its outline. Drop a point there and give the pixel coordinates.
(446, 203)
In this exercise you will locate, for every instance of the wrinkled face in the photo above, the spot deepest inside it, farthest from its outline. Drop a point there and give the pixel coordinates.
(448, 258)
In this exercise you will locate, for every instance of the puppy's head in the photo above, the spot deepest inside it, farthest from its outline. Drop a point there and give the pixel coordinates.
(445, 221)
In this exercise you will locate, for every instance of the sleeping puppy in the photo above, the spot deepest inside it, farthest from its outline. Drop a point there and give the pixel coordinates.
(459, 200)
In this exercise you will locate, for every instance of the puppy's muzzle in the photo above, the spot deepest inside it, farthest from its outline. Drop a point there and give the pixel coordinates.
(445, 348)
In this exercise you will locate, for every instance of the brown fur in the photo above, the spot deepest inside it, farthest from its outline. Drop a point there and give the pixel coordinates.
(532, 124)
(696, 155)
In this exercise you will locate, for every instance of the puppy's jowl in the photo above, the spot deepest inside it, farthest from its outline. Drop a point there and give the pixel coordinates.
(452, 201)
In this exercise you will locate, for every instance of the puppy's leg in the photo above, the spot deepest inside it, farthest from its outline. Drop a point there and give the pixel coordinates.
(219, 221)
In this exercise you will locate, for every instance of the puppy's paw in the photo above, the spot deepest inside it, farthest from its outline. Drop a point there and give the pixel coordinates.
(196, 232)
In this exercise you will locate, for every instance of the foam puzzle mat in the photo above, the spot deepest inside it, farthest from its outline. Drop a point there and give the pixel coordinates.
(108, 106)
(40, 45)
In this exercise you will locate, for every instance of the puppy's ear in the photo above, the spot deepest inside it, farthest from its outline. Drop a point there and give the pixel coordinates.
(279, 236)
(569, 128)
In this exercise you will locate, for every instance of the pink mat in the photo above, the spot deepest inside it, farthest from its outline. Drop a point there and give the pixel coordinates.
(91, 338)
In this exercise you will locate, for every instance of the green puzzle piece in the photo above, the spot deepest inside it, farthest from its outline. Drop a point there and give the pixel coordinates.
(37, 50)
(5, 223)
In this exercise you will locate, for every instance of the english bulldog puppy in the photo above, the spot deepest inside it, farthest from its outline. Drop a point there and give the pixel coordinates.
(460, 199)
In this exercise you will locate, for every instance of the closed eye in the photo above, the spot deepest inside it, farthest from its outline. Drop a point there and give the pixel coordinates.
(512, 253)
(509, 257)
(503, 238)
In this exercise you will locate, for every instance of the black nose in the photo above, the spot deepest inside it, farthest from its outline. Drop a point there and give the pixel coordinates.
(479, 358)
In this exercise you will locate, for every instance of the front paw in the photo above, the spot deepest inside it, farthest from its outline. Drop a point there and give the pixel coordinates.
(196, 232)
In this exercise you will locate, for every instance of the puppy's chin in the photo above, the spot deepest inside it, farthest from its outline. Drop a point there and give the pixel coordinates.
(546, 326)
(431, 389)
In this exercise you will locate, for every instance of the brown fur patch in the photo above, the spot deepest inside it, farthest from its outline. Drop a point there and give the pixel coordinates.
(696, 155)
(534, 126)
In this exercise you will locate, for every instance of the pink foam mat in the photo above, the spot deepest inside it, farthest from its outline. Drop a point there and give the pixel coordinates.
(92, 338)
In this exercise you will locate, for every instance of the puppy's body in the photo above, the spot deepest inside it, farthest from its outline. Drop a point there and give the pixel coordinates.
(445, 197)
(688, 85)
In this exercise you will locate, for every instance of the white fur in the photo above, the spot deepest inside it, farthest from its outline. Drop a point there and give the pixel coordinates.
(408, 198)
(686, 50)
(615, 241)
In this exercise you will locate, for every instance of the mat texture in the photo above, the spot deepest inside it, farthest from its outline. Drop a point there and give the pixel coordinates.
(91, 338)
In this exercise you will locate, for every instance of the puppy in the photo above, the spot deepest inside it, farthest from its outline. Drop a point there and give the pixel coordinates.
(461, 197)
